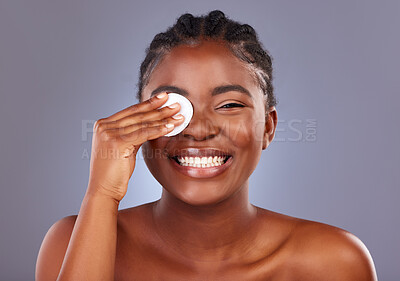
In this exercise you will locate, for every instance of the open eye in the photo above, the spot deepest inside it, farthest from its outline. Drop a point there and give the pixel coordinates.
(230, 105)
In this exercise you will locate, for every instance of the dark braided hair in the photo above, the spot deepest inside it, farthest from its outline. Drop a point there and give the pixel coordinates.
(241, 39)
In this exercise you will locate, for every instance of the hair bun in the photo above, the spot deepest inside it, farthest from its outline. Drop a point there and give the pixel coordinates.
(188, 25)
(242, 31)
(216, 15)
(214, 22)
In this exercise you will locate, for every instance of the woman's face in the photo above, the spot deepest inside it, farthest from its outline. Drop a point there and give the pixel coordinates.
(229, 118)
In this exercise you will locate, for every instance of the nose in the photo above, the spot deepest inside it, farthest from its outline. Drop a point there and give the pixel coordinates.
(200, 127)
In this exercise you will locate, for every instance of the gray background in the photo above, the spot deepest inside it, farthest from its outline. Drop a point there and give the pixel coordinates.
(335, 159)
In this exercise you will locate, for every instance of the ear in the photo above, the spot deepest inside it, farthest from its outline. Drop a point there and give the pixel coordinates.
(271, 120)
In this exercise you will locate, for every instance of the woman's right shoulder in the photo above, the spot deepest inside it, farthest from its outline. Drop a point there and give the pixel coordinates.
(62, 229)
(65, 222)
(54, 247)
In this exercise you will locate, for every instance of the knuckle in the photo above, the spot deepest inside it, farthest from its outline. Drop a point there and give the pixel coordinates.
(140, 118)
(99, 124)
(161, 111)
(142, 133)
(165, 109)
(117, 123)
(146, 132)
(145, 124)
(148, 102)
(107, 136)
(134, 108)
(162, 122)
(151, 101)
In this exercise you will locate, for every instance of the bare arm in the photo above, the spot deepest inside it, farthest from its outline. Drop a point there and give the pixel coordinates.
(87, 249)
(83, 248)
(92, 247)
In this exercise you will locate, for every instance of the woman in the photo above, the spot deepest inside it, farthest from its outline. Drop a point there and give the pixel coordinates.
(203, 226)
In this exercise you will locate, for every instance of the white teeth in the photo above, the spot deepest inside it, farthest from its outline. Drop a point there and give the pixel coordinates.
(201, 162)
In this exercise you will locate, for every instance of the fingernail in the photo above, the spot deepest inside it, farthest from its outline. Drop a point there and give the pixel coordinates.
(177, 117)
(174, 105)
(162, 95)
(169, 126)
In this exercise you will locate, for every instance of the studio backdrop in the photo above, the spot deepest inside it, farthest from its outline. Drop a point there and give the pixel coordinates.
(335, 156)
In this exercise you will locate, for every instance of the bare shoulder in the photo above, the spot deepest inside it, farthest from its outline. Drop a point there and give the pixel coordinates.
(53, 248)
(324, 252)
(308, 250)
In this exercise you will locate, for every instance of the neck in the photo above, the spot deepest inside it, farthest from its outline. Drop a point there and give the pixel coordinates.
(206, 233)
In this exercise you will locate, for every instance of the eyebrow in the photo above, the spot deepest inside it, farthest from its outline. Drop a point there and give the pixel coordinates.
(216, 91)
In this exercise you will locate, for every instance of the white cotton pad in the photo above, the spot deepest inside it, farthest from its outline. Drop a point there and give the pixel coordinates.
(186, 110)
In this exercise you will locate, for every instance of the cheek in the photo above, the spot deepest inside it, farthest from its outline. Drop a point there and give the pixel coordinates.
(245, 132)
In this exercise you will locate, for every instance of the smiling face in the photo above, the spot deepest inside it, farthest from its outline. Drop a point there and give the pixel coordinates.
(229, 120)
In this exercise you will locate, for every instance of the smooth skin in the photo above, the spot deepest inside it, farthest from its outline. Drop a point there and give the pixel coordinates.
(200, 228)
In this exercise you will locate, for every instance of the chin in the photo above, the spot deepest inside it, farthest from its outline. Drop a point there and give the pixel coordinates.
(199, 194)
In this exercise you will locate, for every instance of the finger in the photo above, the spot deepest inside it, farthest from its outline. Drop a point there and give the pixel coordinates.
(144, 117)
(135, 120)
(138, 137)
(147, 105)
(176, 120)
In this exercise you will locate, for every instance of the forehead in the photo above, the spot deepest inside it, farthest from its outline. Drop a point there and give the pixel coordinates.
(205, 65)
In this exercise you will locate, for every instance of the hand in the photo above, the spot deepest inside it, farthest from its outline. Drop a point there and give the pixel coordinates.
(117, 139)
